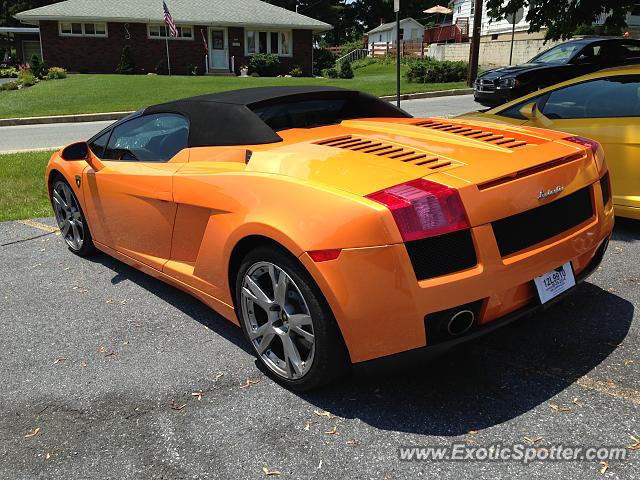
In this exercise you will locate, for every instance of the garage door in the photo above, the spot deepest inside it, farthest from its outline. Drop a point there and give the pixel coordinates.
(29, 49)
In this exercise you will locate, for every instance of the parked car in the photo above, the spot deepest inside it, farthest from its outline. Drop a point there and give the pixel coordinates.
(562, 62)
(333, 227)
(604, 106)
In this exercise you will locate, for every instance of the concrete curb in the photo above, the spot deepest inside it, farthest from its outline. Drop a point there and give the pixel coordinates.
(437, 93)
(85, 117)
(101, 117)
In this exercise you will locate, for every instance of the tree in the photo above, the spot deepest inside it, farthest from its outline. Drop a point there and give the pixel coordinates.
(329, 11)
(368, 13)
(126, 65)
(8, 8)
(561, 18)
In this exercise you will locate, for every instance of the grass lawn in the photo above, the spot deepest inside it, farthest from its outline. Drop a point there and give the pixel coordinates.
(112, 93)
(23, 193)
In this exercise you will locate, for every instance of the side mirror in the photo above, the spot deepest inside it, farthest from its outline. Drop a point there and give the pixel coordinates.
(76, 151)
(534, 115)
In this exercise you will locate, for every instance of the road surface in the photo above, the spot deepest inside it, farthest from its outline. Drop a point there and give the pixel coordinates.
(32, 137)
(108, 373)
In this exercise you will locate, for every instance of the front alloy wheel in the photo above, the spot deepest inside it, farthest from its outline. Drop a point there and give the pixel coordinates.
(70, 219)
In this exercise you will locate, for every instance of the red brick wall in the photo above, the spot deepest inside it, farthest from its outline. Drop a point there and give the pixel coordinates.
(101, 55)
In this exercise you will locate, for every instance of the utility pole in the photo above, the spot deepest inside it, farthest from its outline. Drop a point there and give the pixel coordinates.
(474, 53)
(396, 8)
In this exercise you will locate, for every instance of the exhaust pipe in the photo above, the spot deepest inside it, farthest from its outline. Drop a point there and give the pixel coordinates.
(460, 323)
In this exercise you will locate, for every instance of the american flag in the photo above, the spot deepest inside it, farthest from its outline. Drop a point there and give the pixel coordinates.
(168, 20)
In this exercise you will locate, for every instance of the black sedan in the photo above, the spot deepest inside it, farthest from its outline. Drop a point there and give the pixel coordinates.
(560, 63)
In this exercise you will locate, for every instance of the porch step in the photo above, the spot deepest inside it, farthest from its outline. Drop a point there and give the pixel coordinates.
(221, 73)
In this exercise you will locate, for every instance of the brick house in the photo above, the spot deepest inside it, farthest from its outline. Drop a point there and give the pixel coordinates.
(216, 35)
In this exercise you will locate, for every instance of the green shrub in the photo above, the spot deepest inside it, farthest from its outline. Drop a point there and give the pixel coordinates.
(322, 59)
(330, 72)
(436, 71)
(296, 71)
(26, 78)
(126, 66)
(38, 68)
(345, 69)
(365, 62)
(194, 71)
(10, 72)
(9, 86)
(265, 64)
(162, 67)
(34, 64)
(56, 73)
(254, 74)
(351, 46)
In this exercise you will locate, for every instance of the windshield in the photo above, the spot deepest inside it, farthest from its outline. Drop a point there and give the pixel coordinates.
(560, 54)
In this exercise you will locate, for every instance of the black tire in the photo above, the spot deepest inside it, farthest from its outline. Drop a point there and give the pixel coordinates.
(85, 248)
(330, 360)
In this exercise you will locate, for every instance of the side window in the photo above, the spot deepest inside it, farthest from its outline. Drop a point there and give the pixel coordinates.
(602, 98)
(514, 111)
(150, 138)
(98, 145)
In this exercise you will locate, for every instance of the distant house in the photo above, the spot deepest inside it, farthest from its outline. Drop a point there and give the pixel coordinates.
(89, 35)
(411, 31)
(464, 11)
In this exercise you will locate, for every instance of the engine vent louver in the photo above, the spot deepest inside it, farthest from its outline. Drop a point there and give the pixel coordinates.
(473, 132)
(385, 149)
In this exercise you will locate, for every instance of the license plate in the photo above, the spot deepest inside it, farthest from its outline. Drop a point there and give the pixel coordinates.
(555, 282)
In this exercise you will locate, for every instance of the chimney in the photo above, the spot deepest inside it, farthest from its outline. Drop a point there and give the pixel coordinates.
(381, 20)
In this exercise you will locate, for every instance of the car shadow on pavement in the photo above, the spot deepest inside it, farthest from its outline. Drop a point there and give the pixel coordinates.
(478, 385)
(184, 302)
(626, 230)
(493, 379)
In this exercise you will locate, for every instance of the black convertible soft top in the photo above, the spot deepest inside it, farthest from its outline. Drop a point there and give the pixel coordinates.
(252, 116)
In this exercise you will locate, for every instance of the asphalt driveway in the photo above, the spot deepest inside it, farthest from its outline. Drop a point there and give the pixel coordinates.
(108, 373)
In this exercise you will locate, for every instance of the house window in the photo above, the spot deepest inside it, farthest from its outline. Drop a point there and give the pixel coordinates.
(275, 42)
(161, 31)
(77, 29)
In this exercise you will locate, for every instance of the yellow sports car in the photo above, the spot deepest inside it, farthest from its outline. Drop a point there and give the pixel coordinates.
(604, 106)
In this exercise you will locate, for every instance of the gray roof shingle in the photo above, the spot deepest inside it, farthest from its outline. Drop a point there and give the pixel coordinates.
(201, 12)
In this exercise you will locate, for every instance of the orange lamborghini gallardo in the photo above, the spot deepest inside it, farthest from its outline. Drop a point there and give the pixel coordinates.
(333, 227)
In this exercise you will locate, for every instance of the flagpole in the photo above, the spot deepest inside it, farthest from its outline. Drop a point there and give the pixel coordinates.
(166, 39)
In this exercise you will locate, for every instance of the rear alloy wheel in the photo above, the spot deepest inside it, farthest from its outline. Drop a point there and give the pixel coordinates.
(287, 322)
(71, 220)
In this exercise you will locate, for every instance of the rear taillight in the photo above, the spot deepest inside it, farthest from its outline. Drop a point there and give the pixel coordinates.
(585, 142)
(423, 209)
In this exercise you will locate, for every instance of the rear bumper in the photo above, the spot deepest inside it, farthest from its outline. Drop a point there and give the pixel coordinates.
(416, 355)
(381, 307)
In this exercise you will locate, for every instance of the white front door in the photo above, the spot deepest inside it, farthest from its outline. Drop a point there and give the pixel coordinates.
(219, 48)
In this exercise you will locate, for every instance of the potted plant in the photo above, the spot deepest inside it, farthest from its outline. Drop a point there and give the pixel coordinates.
(244, 71)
